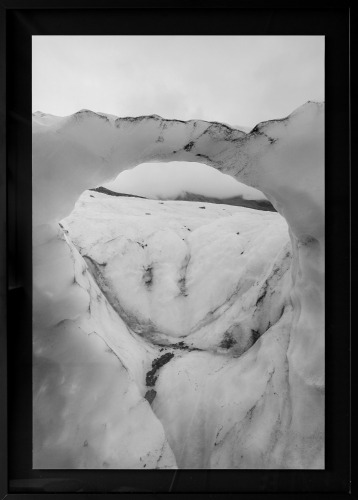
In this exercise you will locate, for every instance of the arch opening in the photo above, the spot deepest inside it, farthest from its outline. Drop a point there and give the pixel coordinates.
(187, 181)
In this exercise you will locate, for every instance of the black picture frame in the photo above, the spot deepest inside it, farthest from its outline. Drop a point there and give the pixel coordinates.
(21, 19)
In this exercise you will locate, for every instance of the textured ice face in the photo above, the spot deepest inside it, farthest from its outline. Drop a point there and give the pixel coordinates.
(88, 401)
(204, 408)
(184, 271)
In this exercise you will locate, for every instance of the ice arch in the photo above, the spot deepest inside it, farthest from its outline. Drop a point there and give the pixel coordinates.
(282, 158)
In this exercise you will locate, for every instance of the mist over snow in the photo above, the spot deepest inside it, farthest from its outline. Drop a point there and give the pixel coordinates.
(230, 79)
(155, 180)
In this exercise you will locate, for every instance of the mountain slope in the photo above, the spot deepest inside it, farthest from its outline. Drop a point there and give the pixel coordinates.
(237, 201)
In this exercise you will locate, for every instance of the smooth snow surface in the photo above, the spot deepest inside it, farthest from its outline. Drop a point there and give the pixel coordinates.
(178, 334)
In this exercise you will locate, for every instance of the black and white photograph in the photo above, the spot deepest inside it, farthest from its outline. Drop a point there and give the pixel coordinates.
(178, 236)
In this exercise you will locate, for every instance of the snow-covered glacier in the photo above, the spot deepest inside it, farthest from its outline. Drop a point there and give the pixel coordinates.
(178, 334)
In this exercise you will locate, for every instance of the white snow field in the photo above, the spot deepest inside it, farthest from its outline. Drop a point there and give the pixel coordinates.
(173, 334)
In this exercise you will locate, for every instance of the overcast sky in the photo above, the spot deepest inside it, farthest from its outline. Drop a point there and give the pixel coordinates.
(237, 80)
